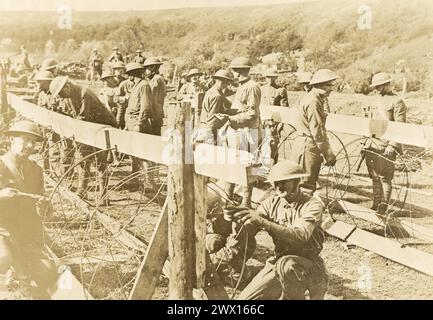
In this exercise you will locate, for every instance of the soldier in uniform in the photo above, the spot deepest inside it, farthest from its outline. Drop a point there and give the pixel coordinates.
(139, 58)
(116, 56)
(214, 108)
(272, 94)
(192, 86)
(118, 71)
(312, 142)
(106, 94)
(139, 117)
(159, 92)
(122, 92)
(304, 80)
(81, 103)
(380, 155)
(95, 63)
(293, 220)
(22, 209)
(243, 130)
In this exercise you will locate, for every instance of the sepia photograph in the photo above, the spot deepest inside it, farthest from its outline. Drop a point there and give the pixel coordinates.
(173, 150)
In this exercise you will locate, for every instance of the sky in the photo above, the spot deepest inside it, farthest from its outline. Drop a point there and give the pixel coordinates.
(118, 5)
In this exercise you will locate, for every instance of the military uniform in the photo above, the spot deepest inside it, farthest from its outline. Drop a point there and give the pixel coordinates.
(296, 265)
(121, 97)
(115, 57)
(20, 225)
(84, 105)
(96, 62)
(380, 167)
(159, 92)
(139, 59)
(214, 102)
(312, 141)
(274, 96)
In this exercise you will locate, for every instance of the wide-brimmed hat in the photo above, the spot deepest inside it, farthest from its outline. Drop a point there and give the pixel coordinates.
(286, 170)
(380, 78)
(24, 127)
(194, 72)
(152, 61)
(223, 74)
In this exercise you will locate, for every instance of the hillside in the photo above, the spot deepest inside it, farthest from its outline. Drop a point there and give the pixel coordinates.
(326, 31)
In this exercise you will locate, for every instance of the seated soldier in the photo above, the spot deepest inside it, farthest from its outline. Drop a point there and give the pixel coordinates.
(293, 220)
(22, 210)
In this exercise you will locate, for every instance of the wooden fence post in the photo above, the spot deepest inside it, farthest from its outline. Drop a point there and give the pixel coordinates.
(181, 235)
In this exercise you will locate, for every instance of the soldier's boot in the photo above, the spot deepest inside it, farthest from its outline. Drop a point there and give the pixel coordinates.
(387, 192)
(377, 194)
(247, 193)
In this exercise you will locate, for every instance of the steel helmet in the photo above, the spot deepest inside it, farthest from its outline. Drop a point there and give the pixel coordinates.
(44, 76)
(118, 65)
(241, 63)
(133, 66)
(138, 51)
(24, 127)
(286, 170)
(322, 76)
(223, 74)
(107, 74)
(115, 48)
(305, 77)
(380, 78)
(152, 61)
(193, 72)
(57, 85)
(48, 64)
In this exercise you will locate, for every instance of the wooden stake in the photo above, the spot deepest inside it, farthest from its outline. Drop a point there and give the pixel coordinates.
(181, 242)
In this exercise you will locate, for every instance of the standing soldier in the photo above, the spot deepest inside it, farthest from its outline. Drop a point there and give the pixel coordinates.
(214, 108)
(139, 117)
(95, 64)
(192, 86)
(139, 58)
(380, 155)
(272, 94)
(116, 56)
(24, 61)
(312, 142)
(118, 70)
(159, 91)
(121, 94)
(22, 208)
(243, 131)
(106, 94)
(83, 104)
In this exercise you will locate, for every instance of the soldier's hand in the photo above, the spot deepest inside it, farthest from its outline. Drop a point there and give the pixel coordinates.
(9, 193)
(249, 218)
(389, 151)
(330, 159)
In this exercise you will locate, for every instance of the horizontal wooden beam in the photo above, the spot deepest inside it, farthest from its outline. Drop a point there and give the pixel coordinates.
(369, 215)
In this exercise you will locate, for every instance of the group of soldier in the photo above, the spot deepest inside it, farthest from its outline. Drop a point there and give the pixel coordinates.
(133, 99)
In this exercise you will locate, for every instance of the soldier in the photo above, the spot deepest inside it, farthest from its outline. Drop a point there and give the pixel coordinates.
(121, 94)
(304, 80)
(380, 155)
(293, 220)
(192, 86)
(272, 94)
(118, 70)
(312, 142)
(159, 91)
(95, 64)
(24, 58)
(22, 209)
(50, 65)
(106, 94)
(139, 58)
(139, 117)
(81, 103)
(243, 130)
(214, 107)
(116, 56)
